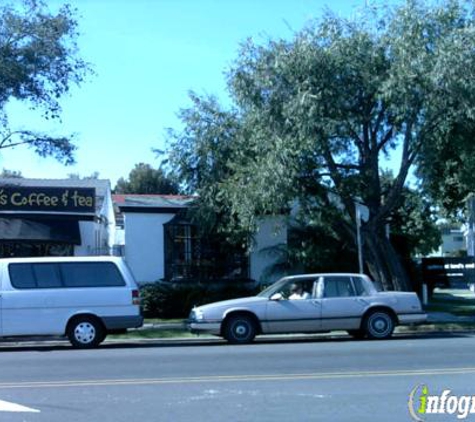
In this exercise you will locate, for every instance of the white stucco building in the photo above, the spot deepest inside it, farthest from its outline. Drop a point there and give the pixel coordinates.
(160, 244)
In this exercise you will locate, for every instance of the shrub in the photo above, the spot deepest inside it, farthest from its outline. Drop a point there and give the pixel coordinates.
(175, 300)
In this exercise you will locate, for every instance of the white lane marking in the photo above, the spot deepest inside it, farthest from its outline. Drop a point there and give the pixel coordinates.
(6, 406)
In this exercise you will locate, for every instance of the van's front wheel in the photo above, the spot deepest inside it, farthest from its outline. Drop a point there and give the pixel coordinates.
(85, 332)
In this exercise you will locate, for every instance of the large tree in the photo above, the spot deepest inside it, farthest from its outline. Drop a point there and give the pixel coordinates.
(316, 118)
(38, 65)
(144, 179)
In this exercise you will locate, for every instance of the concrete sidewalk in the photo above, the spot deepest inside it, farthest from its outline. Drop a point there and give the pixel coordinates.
(446, 317)
(455, 295)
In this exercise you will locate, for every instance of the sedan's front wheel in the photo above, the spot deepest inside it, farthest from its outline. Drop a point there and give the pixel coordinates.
(239, 329)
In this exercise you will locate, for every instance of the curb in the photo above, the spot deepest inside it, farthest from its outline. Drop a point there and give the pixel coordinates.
(453, 326)
(207, 339)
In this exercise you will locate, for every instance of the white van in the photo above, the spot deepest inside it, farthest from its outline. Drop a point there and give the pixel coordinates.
(83, 298)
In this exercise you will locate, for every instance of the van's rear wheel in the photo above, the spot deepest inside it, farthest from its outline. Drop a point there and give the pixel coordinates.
(85, 332)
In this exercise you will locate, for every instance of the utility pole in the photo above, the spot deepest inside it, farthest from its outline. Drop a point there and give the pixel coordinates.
(470, 225)
(358, 240)
(362, 214)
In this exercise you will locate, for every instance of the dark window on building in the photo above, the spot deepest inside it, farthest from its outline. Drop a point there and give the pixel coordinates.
(23, 250)
(195, 257)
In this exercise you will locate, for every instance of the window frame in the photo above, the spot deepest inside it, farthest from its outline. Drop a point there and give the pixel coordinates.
(347, 278)
(61, 275)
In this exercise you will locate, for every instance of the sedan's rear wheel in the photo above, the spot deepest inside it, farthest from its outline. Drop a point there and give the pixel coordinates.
(379, 325)
(239, 329)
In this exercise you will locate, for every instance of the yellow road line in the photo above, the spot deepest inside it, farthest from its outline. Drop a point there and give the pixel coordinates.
(238, 378)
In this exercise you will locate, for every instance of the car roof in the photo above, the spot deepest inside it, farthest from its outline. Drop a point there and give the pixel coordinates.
(61, 259)
(317, 275)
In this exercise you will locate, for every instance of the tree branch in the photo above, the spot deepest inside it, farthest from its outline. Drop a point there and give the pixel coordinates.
(386, 138)
(8, 138)
(337, 179)
(395, 191)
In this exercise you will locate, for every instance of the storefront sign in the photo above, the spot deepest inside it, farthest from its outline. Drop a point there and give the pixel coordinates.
(37, 199)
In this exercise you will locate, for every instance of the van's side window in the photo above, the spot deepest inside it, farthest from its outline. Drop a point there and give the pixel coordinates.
(64, 275)
(22, 277)
(47, 276)
(91, 274)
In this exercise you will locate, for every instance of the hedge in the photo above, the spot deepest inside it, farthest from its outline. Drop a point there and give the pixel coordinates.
(175, 300)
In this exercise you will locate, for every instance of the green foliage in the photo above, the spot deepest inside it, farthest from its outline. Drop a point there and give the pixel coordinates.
(38, 64)
(76, 176)
(204, 155)
(143, 179)
(174, 300)
(447, 168)
(11, 173)
(413, 224)
(318, 242)
(315, 118)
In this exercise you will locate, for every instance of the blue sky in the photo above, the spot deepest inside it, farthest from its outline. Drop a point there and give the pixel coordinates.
(147, 55)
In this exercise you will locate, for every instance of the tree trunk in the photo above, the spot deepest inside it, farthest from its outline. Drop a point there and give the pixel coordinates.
(383, 262)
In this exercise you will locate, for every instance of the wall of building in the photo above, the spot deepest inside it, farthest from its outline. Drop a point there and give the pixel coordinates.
(94, 239)
(272, 232)
(107, 233)
(144, 245)
(86, 247)
(453, 241)
(98, 236)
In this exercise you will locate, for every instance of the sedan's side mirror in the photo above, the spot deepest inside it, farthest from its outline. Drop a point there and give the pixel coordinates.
(277, 296)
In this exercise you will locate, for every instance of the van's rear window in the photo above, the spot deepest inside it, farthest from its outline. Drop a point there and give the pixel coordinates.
(65, 275)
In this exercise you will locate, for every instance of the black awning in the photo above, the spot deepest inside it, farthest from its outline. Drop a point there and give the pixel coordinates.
(40, 229)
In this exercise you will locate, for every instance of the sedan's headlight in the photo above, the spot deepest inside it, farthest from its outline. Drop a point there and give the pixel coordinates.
(196, 314)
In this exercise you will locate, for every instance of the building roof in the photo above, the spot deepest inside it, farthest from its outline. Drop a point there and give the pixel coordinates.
(101, 185)
(128, 201)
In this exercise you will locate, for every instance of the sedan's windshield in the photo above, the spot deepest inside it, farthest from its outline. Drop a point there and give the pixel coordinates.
(273, 288)
(285, 286)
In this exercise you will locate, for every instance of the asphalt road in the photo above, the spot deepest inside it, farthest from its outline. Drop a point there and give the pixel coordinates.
(323, 379)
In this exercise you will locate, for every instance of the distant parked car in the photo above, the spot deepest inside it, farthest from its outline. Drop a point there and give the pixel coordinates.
(348, 302)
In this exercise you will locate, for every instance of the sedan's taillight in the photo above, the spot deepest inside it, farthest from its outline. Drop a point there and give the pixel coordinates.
(135, 297)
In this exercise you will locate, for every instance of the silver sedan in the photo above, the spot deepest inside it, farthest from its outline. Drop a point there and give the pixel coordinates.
(310, 304)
